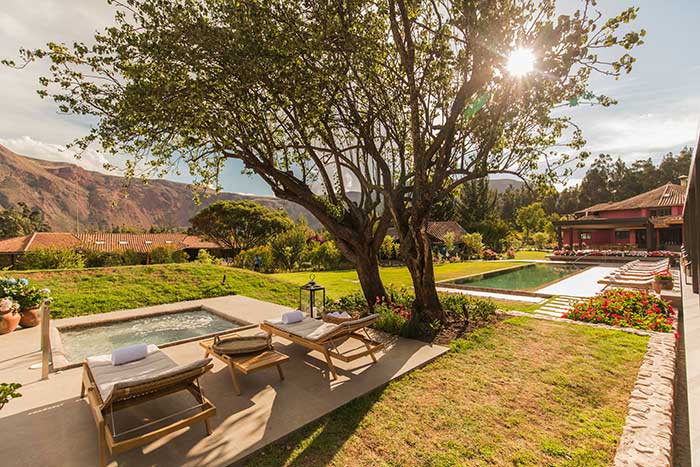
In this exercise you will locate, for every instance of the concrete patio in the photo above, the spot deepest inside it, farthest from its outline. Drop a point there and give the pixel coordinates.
(51, 425)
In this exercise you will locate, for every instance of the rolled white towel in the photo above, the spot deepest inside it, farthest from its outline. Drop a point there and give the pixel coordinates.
(291, 317)
(129, 354)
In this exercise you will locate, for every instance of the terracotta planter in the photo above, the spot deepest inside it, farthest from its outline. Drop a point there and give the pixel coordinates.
(9, 322)
(665, 284)
(30, 317)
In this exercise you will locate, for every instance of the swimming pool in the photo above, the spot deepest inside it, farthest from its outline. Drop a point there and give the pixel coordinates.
(524, 278)
(79, 343)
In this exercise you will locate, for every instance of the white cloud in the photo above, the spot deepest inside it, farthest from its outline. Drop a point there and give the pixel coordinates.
(26, 146)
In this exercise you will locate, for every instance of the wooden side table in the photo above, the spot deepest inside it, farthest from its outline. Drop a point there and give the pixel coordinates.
(246, 364)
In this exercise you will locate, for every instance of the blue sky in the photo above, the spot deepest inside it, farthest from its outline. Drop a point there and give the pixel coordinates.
(658, 110)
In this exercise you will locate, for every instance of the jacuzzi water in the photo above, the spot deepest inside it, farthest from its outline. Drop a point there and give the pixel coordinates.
(103, 338)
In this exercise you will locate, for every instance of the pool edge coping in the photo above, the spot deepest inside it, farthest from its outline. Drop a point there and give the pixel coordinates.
(59, 362)
(522, 293)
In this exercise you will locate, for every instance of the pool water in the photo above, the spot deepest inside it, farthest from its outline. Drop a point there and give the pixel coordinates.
(530, 277)
(160, 329)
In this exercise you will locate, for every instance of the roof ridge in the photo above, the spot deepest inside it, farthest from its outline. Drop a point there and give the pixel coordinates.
(26, 247)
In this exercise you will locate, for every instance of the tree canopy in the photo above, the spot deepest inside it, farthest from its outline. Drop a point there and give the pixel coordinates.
(240, 225)
(15, 222)
(401, 100)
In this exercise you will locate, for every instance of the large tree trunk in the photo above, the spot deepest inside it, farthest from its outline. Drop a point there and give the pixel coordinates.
(367, 266)
(419, 259)
(412, 228)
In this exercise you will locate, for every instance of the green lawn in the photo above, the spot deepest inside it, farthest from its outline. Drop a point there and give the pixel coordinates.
(523, 392)
(89, 291)
(541, 255)
(339, 283)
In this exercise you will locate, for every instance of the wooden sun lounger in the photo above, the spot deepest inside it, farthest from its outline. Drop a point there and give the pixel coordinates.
(137, 390)
(628, 283)
(328, 342)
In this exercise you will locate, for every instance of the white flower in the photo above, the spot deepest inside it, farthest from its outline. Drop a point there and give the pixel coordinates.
(45, 291)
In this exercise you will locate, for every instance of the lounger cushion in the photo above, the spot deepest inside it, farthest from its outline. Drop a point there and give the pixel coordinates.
(316, 330)
(310, 328)
(156, 365)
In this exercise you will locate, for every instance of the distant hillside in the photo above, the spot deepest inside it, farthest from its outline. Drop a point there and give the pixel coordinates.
(66, 192)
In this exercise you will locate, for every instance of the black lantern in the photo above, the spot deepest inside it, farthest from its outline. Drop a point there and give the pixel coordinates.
(312, 297)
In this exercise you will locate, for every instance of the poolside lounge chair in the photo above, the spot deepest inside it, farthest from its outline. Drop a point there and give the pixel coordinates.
(325, 337)
(628, 283)
(109, 388)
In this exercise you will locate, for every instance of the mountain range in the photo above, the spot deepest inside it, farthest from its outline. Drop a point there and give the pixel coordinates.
(74, 198)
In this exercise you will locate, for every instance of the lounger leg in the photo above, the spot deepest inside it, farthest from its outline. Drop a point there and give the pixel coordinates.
(102, 444)
(279, 370)
(82, 389)
(331, 368)
(371, 352)
(234, 379)
(207, 426)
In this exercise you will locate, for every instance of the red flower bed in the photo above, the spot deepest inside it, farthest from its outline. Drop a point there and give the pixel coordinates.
(625, 308)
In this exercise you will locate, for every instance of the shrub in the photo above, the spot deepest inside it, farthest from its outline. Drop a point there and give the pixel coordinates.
(473, 308)
(489, 255)
(387, 250)
(161, 255)
(472, 245)
(326, 255)
(540, 240)
(51, 259)
(204, 257)
(180, 256)
(133, 258)
(288, 248)
(8, 391)
(395, 315)
(246, 259)
(98, 259)
(625, 308)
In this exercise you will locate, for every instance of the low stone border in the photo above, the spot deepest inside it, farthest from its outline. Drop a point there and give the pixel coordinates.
(647, 436)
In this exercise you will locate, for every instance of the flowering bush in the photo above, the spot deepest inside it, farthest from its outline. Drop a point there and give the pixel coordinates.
(19, 291)
(7, 305)
(625, 308)
(488, 254)
(664, 276)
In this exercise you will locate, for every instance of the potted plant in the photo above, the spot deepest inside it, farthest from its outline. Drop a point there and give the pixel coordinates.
(663, 281)
(29, 299)
(9, 315)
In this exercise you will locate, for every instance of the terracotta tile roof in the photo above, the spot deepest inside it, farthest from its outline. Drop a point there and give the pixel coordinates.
(142, 243)
(193, 241)
(438, 230)
(39, 241)
(663, 196)
(14, 245)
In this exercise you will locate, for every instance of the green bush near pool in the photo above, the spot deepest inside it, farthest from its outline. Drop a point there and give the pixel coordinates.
(625, 308)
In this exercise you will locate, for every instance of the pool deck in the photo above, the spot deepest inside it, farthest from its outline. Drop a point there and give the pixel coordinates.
(583, 284)
(62, 431)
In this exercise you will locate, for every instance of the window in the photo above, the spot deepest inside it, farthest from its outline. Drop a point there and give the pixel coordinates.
(660, 212)
(584, 235)
(622, 235)
(123, 242)
(99, 242)
(148, 242)
(168, 242)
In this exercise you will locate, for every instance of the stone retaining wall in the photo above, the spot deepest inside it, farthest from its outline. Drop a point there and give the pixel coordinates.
(647, 436)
